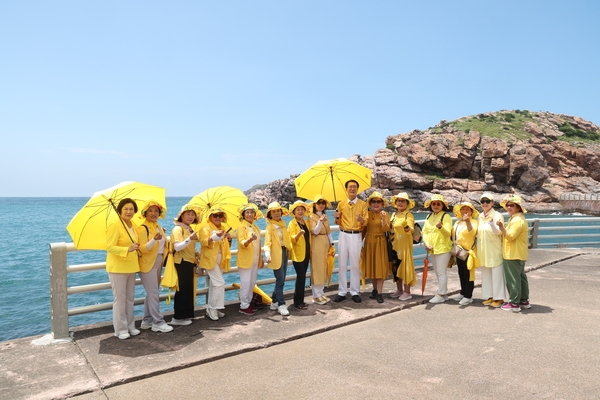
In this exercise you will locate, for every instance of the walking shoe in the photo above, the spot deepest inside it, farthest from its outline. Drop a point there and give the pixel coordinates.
(405, 296)
(488, 302)
(465, 301)
(326, 298)
(497, 303)
(511, 307)
(212, 314)
(356, 298)
(438, 299)
(274, 306)
(162, 328)
(457, 297)
(282, 309)
(220, 314)
(134, 332)
(247, 311)
(373, 294)
(397, 293)
(123, 336)
(319, 300)
(379, 298)
(339, 298)
(185, 321)
(525, 304)
(146, 325)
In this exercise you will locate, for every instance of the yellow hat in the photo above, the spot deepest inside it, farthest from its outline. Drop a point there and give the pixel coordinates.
(457, 207)
(250, 206)
(318, 198)
(299, 203)
(513, 199)
(403, 195)
(162, 209)
(276, 206)
(377, 195)
(436, 197)
(187, 207)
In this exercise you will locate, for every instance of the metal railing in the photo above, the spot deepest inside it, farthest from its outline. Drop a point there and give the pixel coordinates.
(559, 236)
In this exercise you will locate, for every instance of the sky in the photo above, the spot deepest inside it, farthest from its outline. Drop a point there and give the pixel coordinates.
(190, 95)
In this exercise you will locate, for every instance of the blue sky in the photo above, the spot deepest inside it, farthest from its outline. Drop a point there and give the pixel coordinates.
(194, 94)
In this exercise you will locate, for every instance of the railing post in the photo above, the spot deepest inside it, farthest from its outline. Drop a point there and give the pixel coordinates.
(59, 307)
(533, 240)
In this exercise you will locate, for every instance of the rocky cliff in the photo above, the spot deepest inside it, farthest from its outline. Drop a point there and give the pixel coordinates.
(538, 155)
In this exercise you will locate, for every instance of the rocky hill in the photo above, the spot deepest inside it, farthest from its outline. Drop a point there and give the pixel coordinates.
(538, 155)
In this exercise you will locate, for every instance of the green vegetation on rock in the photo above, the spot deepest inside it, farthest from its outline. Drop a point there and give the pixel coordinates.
(502, 125)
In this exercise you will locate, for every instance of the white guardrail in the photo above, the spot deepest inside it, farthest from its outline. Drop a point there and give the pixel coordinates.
(563, 232)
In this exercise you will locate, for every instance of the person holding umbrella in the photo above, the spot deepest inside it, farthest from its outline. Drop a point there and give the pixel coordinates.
(320, 243)
(300, 254)
(122, 246)
(184, 239)
(277, 247)
(152, 239)
(436, 237)
(249, 258)
(403, 225)
(351, 216)
(515, 252)
(214, 259)
(374, 255)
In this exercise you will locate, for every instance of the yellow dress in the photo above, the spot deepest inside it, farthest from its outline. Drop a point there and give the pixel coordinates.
(319, 246)
(403, 244)
(373, 257)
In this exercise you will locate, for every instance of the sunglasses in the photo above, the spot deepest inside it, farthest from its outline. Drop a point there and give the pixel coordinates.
(221, 215)
(485, 201)
(376, 201)
(510, 205)
(435, 203)
(322, 202)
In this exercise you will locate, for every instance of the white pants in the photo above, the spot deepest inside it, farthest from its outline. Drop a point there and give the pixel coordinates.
(216, 287)
(440, 266)
(122, 288)
(492, 283)
(317, 290)
(349, 245)
(151, 282)
(247, 282)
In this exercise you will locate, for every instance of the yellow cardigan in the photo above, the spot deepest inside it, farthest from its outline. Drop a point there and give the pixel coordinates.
(273, 245)
(515, 245)
(245, 255)
(298, 252)
(209, 251)
(148, 257)
(438, 238)
(118, 259)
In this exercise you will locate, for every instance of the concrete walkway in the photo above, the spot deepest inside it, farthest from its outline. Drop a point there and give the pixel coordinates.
(343, 350)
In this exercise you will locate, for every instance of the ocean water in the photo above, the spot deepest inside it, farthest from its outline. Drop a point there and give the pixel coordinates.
(29, 225)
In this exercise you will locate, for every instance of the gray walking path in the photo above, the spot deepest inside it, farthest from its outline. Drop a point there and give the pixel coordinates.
(343, 350)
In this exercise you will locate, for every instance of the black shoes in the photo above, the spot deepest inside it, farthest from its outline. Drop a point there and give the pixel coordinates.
(356, 298)
(339, 298)
(373, 294)
(379, 298)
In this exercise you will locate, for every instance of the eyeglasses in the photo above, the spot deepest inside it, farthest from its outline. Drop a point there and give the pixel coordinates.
(510, 205)
(485, 201)
(221, 215)
(322, 202)
(436, 203)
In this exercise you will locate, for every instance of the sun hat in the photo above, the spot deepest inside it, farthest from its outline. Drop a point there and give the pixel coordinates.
(276, 206)
(377, 195)
(188, 207)
(250, 206)
(513, 199)
(218, 210)
(457, 207)
(299, 203)
(403, 195)
(162, 210)
(487, 195)
(436, 197)
(320, 197)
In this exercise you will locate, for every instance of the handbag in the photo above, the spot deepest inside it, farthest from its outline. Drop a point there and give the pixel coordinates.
(458, 252)
(392, 254)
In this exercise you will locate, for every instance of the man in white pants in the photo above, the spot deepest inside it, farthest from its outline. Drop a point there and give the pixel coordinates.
(351, 216)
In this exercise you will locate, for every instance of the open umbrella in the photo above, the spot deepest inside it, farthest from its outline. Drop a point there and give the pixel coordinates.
(88, 226)
(424, 276)
(225, 197)
(329, 177)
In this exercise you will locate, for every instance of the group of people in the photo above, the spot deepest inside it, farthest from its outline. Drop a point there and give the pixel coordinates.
(366, 239)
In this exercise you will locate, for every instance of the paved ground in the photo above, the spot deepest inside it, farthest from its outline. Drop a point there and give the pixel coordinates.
(395, 349)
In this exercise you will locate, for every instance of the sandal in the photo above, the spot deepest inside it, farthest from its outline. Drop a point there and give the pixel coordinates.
(302, 306)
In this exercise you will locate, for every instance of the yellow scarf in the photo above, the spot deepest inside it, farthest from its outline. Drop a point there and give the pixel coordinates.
(284, 233)
(224, 245)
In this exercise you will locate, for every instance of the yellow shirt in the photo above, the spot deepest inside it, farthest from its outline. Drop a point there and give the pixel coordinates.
(298, 252)
(118, 240)
(464, 237)
(516, 241)
(438, 238)
(178, 234)
(210, 251)
(245, 255)
(349, 211)
(273, 243)
(489, 240)
(148, 257)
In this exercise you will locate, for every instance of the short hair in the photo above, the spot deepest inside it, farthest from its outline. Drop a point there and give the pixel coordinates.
(348, 182)
(125, 201)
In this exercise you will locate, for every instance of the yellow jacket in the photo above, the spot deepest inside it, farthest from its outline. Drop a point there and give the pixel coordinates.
(515, 244)
(118, 259)
(178, 234)
(465, 239)
(148, 257)
(209, 251)
(298, 252)
(245, 255)
(438, 238)
(273, 245)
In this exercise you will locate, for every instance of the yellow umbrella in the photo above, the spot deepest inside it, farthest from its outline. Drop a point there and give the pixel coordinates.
(170, 279)
(329, 177)
(88, 226)
(225, 197)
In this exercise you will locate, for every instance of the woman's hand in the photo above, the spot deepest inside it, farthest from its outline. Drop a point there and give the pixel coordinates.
(323, 217)
(194, 236)
(133, 247)
(268, 258)
(158, 236)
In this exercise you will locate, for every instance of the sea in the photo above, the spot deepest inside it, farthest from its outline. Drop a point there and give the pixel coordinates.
(28, 226)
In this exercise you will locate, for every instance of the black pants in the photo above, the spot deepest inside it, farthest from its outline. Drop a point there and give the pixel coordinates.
(301, 268)
(466, 286)
(184, 299)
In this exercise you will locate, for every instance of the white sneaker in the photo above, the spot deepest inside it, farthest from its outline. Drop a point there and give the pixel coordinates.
(438, 299)
(465, 301)
(175, 321)
(123, 336)
(220, 314)
(457, 297)
(134, 332)
(212, 314)
(162, 328)
(282, 309)
(146, 325)
(274, 306)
